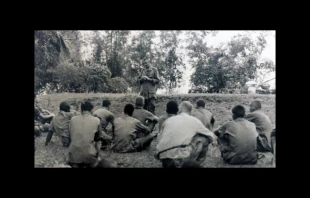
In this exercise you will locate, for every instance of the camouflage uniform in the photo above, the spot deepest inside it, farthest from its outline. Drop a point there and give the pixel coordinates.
(148, 89)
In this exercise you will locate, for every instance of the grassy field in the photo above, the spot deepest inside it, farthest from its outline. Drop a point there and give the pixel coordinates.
(219, 104)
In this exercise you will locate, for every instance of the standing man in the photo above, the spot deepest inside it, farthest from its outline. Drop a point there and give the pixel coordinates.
(148, 79)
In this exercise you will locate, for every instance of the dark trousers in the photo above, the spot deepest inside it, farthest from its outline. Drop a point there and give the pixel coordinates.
(48, 120)
(143, 143)
(199, 144)
(82, 165)
(65, 141)
(149, 104)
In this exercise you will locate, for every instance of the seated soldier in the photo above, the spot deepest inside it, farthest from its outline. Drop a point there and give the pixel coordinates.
(42, 119)
(183, 137)
(273, 140)
(273, 144)
(203, 115)
(263, 126)
(86, 133)
(238, 139)
(105, 116)
(144, 116)
(60, 125)
(130, 134)
(171, 109)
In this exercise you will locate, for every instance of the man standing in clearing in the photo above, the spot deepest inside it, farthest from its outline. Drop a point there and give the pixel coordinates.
(203, 115)
(182, 138)
(144, 116)
(148, 79)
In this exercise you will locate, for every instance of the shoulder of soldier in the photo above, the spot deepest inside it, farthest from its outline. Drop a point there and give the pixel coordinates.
(260, 113)
(68, 114)
(250, 114)
(148, 113)
(207, 111)
(134, 119)
(77, 117)
(98, 111)
(229, 123)
(195, 119)
(96, 119)
(162, 117)
(110, 113)
(195, 111)
(117, 120)
(250, 124)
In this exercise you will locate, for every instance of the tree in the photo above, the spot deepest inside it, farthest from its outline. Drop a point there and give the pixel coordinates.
(229, 64)
(50, 49)
(96, 77)
(163, 55)
(109, 50)
(141, 48)
(73, 41)
(170, 65)
(68, 78)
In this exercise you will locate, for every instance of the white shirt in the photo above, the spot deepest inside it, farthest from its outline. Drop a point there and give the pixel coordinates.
(180, 130)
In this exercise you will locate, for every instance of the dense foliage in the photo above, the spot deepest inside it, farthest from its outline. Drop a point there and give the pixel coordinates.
(110, 61)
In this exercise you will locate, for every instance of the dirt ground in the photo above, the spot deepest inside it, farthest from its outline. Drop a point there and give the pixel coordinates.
(219, 104)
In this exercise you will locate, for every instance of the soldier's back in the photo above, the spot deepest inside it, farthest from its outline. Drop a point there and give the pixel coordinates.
(204, 116)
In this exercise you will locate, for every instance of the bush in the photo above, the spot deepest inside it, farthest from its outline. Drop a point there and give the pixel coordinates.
(96, 78)
(92, 78)
(118, 85)
(68, 78)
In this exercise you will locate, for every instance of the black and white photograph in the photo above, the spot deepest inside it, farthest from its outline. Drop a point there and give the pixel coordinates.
(154, 99)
